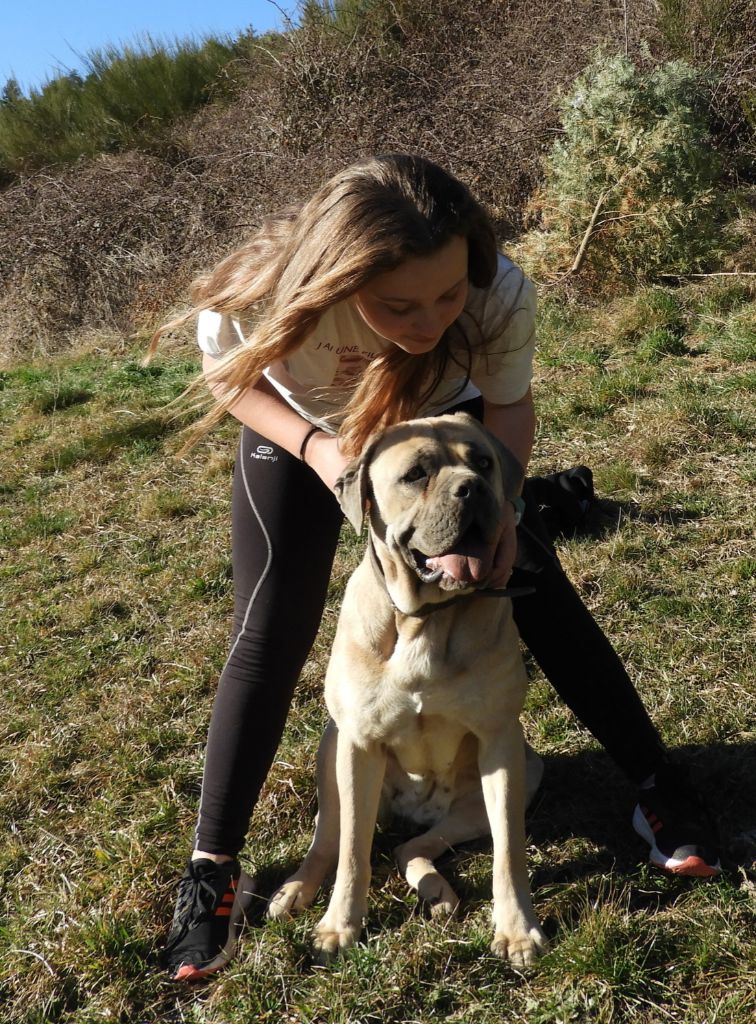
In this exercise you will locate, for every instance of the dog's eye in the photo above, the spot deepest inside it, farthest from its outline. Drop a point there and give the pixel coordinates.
(413, 475)
(483, 462)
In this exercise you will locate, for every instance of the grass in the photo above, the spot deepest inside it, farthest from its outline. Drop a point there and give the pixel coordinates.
(117, 591)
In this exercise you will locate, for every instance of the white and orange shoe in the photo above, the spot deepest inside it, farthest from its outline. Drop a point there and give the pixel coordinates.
(672, 819)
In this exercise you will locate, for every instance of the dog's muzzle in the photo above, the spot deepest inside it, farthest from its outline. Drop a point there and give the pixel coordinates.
(465, 563)
(454, 541)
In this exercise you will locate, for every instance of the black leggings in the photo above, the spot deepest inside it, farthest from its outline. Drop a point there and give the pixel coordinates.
(285, 530)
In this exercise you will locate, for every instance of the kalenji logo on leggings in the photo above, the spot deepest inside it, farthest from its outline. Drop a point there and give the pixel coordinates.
(264, 452)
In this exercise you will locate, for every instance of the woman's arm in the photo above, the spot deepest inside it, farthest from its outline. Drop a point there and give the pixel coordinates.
(262, 409)
(514, 426)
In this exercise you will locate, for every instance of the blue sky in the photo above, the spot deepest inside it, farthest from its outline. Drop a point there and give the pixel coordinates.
(41, 38)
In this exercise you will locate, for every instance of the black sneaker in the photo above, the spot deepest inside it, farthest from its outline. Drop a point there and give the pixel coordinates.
(210, 914)
(676, 825)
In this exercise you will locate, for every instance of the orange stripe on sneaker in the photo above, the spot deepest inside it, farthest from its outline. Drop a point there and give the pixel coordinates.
(223, 912)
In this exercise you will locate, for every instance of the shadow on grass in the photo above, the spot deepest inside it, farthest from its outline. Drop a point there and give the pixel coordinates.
(144, 435)
(51, 401)
(585, 796)
(569, 509)
(605, 516)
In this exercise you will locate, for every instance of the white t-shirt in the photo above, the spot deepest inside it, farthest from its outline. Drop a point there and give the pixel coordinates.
(319, 378)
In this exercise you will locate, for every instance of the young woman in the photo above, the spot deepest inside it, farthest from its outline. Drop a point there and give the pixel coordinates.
(380, 299)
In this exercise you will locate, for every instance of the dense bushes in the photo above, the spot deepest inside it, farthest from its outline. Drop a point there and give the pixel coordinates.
(631, 187)
(719, 36)
(470, 83)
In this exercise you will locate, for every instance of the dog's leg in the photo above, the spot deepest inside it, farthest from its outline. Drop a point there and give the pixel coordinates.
(299, 890)
(360, 772)
(465, 821)
(517, 933)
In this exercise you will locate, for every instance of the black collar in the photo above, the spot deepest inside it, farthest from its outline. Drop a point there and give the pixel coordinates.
(426, 609)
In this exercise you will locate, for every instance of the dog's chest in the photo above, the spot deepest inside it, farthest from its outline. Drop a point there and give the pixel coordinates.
(422, 799)
(422, 692)
(425, 681)
(422, 734)
(425, 660)
(424, 759)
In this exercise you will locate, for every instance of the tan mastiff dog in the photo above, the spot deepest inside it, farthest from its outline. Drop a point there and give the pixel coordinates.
(424, 687)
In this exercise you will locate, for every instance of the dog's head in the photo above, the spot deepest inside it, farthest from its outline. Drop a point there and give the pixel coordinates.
(434, 489)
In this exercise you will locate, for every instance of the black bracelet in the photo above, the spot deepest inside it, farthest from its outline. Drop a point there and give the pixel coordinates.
(308, 435)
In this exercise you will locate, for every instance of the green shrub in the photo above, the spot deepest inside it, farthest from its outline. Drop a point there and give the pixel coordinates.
(129, 96)
(630, 189)
(350, 17)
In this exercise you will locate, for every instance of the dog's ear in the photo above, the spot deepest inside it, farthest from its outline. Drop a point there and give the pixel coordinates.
(512, 472)
(352, 490)
(353, 486)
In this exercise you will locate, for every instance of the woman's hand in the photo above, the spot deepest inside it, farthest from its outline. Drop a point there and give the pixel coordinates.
(324, 456)
(506, 549)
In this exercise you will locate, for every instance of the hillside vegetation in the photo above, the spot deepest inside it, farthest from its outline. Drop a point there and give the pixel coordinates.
(618, 159)
(111, 242)
(130, 97)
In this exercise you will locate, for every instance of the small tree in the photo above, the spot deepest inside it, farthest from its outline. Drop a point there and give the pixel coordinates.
(631, 187)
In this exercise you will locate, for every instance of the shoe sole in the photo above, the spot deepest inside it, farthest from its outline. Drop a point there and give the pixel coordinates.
(691, 867)
(245, 892)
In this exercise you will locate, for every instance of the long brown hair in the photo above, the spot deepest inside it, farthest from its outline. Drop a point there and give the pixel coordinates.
(365, 220)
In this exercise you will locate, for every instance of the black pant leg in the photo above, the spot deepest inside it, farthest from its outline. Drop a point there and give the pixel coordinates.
(578, 660)
(285, 530)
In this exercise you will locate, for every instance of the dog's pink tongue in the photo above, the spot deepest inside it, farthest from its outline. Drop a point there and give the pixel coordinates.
(470, 562)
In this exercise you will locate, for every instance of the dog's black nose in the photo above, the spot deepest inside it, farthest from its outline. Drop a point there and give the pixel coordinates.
(466, 488)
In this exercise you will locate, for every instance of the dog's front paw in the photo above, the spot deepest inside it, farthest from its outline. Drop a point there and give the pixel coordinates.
(421, 874)
(290, 899)
(329, 942)
(521, 950)
(436, 892)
